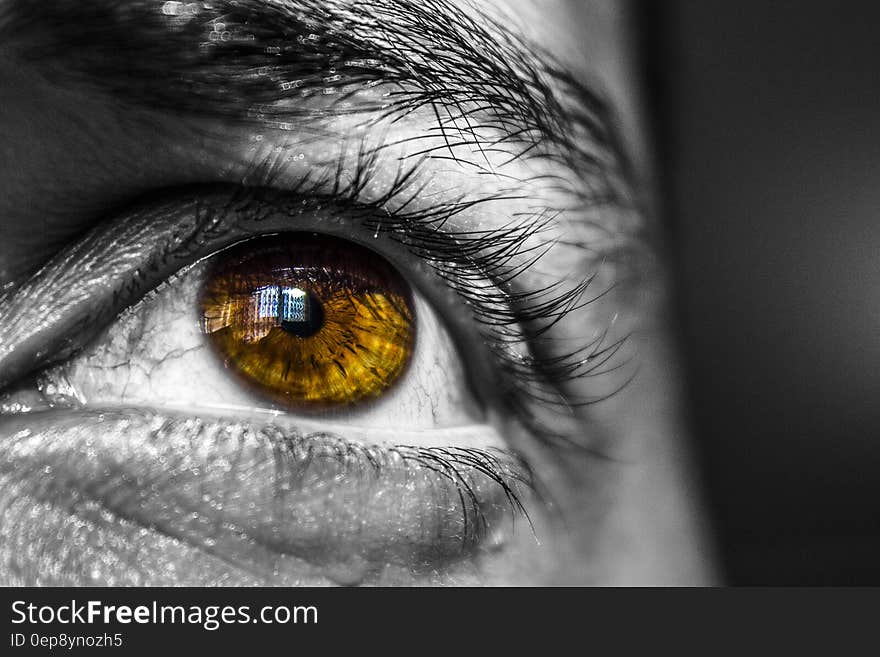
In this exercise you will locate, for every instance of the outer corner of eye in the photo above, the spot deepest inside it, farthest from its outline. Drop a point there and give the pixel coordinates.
(300, 324)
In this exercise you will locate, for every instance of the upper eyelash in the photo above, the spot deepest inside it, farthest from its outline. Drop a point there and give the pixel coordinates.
(476, 265)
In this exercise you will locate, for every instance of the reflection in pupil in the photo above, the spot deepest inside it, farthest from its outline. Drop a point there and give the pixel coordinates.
(302, 313)
(309, 321)
(296, 311)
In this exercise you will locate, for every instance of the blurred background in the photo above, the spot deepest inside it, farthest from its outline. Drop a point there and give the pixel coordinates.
(768, 122)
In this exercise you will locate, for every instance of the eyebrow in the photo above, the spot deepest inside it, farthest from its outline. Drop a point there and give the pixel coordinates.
(281, 61)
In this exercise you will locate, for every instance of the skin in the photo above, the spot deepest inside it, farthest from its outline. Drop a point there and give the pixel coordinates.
(629, 517)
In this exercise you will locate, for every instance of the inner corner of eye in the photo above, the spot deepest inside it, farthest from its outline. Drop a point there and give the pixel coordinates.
(314, 322)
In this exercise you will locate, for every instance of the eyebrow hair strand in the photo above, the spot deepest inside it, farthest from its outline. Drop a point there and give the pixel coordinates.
(272, 62)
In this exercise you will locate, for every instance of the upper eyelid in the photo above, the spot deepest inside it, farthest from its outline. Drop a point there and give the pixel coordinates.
(98, 285)
(520, 372)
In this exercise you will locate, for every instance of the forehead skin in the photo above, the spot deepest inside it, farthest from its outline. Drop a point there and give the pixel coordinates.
(595, 40)
(651, 531)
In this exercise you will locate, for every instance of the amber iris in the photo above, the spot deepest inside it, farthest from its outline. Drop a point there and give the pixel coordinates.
(309, 320)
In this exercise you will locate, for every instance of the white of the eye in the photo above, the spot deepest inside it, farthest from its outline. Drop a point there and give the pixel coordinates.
(156, 355)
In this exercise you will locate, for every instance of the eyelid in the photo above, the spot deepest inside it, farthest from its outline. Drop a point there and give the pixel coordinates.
(526, 375)
(443, 499)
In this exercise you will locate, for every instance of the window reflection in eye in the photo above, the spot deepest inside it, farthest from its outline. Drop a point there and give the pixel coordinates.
(320, 302)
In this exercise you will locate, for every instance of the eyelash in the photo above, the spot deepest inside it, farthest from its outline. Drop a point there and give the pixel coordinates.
(476, 266)
(507, 470)
(504, 468)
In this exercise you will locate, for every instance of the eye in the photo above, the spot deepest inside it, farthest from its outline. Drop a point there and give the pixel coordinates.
(216, 407)
(309, 321)
(300, 325)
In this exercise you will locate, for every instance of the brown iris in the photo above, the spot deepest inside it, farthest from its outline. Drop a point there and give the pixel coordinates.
(309, 320)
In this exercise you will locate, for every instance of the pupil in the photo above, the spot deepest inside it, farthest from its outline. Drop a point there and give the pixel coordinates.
(300, 313)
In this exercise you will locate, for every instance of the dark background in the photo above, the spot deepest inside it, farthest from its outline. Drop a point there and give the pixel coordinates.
(768, 118)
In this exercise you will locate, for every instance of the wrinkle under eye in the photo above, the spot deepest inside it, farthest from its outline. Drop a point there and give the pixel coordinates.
(309, 320)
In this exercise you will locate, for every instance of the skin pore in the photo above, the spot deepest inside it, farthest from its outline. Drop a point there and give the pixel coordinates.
(460, 153)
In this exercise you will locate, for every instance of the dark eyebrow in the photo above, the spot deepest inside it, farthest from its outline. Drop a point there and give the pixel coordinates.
(277, 61)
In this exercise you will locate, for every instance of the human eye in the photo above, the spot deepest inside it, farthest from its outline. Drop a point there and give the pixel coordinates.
(169, 391)
(362, 317)
(334, 425)
(296, 323)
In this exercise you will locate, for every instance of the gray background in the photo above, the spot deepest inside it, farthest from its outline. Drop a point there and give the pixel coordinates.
(768, 116)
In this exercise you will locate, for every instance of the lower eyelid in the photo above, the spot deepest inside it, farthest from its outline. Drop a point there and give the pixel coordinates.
(194, 477)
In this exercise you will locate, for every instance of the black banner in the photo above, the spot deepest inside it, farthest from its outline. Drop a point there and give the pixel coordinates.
(120, 620)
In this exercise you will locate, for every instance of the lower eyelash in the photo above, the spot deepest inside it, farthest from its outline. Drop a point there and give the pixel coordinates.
(451, 463)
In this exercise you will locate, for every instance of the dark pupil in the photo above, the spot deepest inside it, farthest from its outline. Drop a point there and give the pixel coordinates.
(298, 312)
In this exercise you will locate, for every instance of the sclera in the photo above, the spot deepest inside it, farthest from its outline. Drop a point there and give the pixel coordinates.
(157, 355)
